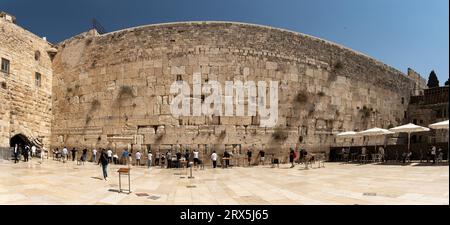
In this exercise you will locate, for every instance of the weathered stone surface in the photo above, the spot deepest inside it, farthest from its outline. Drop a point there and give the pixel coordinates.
(120, 82)
(343, 90)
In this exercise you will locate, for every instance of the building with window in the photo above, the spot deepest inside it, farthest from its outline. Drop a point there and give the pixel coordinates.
(26, 85)
(430, 107)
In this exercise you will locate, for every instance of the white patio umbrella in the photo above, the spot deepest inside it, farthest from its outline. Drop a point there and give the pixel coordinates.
(348, 134)
(375, 132)
(409, 128)
(441, 125)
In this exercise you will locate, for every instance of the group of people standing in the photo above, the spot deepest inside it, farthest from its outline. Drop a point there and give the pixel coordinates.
(227, 156)
(24, 150)
(293, 156)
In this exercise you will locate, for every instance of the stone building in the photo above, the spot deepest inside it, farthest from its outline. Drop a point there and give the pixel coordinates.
(112, 90)
(25, 85)
(430, 107)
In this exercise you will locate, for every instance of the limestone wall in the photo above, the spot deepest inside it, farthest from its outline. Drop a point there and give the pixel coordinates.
(112, 90)
(24, 107)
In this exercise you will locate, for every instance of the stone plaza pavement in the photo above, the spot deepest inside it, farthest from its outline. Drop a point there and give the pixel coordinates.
(56, 183)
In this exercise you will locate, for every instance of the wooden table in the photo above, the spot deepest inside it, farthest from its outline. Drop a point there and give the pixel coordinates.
(125, 171)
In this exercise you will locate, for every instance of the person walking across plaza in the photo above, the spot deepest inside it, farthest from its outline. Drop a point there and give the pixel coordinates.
(104, 163)
(214, 159)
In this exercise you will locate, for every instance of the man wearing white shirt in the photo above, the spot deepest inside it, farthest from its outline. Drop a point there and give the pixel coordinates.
(195, 157)
(33, 151)
(138, 158)
(109, 153)
(214, 159)
(149, 159)
(65, 154)
(94, 155)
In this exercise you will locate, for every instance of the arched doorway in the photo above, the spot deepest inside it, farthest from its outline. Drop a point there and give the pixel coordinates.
(19, 139)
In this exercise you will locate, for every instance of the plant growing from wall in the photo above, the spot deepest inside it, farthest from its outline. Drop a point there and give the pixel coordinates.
(338, 66)
(125, 92)
(301, 98)
(365, 112)
(279, 135)
(94, 105)
(88, 119)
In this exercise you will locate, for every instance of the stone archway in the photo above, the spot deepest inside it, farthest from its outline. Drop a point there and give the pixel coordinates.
(19, 139)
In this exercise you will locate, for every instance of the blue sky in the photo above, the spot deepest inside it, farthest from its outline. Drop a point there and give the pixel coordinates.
(401, 33)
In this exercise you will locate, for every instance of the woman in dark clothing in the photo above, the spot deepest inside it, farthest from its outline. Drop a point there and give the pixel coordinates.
(84, 156)
(104, 161)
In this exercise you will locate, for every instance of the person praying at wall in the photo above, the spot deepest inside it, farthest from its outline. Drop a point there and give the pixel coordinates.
(169, 159)
(138, 158)
(84, 155)
(74, 151)
(125, 157)
(157, 157)
(261, 156)
(149, 159)
(249, 156)
(214, 159)
(65, 154)
(196, 160)
(226, 156)
(94, 155)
